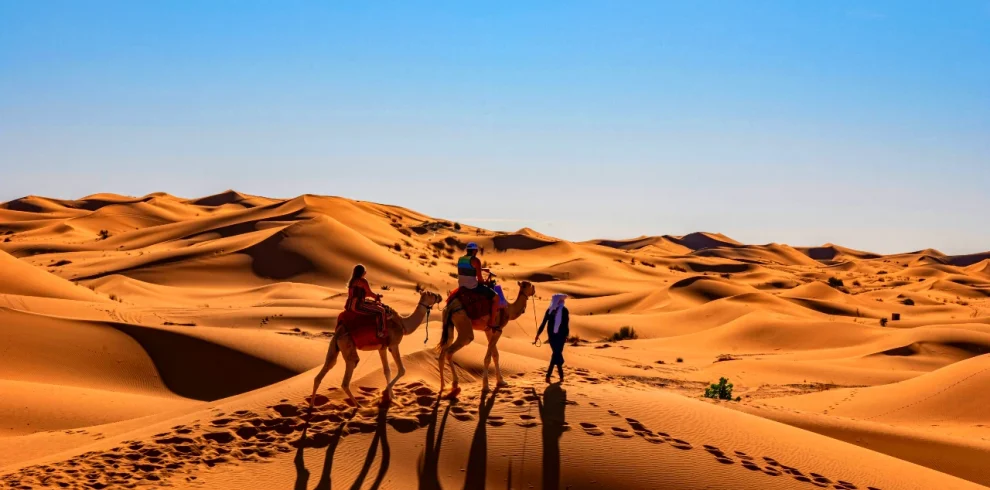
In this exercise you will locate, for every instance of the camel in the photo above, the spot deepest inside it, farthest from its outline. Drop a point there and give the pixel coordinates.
(459, 321)
(398, 327)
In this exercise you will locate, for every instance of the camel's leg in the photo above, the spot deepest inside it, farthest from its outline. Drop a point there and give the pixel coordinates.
(499, 380)
(332, 352)
(398, 364)
(387, 393)
(442, 359)
(488, 357)
(350, 362)
(465, 335)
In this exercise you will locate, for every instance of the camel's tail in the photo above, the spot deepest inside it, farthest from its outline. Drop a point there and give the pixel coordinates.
(447, 326)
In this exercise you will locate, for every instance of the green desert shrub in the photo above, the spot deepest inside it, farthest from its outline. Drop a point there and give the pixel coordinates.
(720, 391)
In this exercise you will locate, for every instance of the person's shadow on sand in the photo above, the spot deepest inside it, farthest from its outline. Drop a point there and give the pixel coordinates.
(477, 467)
(429, 460)
(553, 419)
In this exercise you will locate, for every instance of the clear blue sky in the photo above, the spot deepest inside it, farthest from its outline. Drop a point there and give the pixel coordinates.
(865, 123)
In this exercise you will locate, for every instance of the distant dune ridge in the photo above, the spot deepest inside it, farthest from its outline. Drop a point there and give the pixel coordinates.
(159, 339)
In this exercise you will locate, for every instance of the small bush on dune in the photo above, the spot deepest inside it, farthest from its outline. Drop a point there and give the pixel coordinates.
(883, 322)
(835, 282)
(397, 247)
(104, 234)
(624, 333)
(720, 391)
(908, 302)
(680, 359)
(457, 226)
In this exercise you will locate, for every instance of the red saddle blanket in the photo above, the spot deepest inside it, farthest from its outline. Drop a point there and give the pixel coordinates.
(476, 305)
(363, 329)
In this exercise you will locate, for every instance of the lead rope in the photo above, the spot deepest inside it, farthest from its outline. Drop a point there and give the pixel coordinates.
(538, 343)
(429, 309)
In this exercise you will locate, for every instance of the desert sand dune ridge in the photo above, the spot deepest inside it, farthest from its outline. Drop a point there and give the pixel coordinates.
(166, 340)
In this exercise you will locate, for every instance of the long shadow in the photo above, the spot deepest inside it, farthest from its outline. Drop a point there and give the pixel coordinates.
(552, 416)
(477, 467)
(302, 474)
(381, 435)
(429, 460)
(325, 482)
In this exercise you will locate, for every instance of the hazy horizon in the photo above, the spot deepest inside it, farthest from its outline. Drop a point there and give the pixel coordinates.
(865, 124)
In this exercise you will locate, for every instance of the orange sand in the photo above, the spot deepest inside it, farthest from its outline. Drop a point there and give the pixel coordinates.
(180, 350)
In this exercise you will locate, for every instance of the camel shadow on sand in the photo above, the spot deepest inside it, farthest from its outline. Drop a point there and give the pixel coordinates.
(325, 482)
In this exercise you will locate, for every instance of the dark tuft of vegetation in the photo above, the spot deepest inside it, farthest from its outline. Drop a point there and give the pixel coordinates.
(397, 247)
(857, 283)
(104, 234)
(720, 391)
(908, 301)
(457, 226)
(835, 282)
(680, 359)
(624, 333)
(883, 322)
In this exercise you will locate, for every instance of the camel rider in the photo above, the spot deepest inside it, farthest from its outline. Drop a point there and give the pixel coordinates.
(469, 277)
(363, 301)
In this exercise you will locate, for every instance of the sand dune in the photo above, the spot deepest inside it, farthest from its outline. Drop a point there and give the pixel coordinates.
(161, 340)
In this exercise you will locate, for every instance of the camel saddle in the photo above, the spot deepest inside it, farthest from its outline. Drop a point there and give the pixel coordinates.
(475, 305)
(362, 328)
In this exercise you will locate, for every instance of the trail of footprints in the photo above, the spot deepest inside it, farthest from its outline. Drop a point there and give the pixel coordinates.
(766, 465)
(246, 436)
(242, 436)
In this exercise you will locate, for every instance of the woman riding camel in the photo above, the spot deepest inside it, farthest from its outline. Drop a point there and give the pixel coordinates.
(363, 301)
(558, 319)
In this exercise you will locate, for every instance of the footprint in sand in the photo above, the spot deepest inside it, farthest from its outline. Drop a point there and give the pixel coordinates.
(592, 429)
(461, 414)
(620, 432)
(496, 421)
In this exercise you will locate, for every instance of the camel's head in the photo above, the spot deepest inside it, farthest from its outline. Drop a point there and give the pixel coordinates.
(430, 298)
(527, 288)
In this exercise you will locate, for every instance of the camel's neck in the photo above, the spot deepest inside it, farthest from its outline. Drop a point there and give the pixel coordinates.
(412, 322)
(518, 307)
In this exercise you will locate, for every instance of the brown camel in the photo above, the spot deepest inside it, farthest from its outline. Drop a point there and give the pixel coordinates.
(464, 326)
(397, 328)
